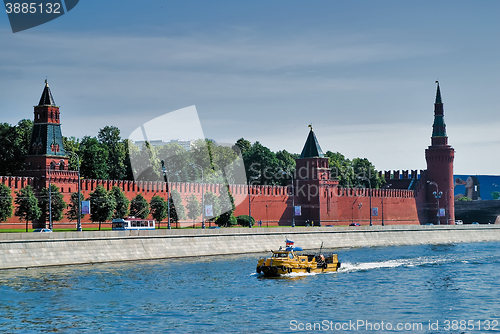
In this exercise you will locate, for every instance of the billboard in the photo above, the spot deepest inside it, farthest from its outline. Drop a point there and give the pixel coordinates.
(477, 187)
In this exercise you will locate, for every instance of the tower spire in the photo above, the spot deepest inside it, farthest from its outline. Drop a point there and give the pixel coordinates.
(311, 148)
(438, 94)
(46, 99)
(439, 136)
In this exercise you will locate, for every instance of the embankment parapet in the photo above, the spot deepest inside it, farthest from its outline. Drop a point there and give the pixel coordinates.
(28, 250)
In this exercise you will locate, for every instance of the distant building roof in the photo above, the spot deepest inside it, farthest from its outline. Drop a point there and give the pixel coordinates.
(311, 148)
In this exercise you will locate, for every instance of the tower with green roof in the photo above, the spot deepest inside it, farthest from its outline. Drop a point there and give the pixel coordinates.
(312, 182)
(46, 154)
(440, 206)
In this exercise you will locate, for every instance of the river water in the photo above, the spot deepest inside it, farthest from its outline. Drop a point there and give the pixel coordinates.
(411, 289)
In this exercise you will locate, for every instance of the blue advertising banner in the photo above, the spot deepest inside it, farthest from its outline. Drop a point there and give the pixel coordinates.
(477, 187)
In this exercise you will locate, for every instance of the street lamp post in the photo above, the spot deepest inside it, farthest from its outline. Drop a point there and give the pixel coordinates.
(50, 199)
(202, 197)
(359, 207)
(78, 219)
(386, 187)
(447, 211)
(50, 193)
(249, 202)
(293, 196)
(168, 193)
(370, 196)
(437, 194)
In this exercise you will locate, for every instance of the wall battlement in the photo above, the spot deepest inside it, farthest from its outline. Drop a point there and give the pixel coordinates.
(401, 174)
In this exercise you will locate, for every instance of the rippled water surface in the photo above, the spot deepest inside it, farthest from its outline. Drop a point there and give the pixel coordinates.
(436, 286)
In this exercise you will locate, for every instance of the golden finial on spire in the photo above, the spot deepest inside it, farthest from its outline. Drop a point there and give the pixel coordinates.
(46, 82)
(311, 126)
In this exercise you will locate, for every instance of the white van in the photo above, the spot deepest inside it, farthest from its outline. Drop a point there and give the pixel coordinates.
(459, 222)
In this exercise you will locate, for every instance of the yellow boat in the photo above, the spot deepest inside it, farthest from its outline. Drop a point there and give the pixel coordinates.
(292, 260)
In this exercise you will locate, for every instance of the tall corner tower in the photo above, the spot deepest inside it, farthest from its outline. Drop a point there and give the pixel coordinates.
(439, 176)
(312, 173)
(46, 148)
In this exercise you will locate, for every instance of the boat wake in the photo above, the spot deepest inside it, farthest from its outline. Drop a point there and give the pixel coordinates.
(420, 261)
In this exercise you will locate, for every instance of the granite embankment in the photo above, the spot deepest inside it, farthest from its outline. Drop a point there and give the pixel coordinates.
(28, 250)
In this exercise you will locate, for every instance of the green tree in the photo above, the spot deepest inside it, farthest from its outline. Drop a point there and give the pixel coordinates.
(159, 208)
(14, 145)
(109, 137)
(146, 165)
(72, 213)
(177, 210)
(341, 169)
(226, 201)
(58, 204)
(201, 155)
(129, 147)
(464, 199)
(139, 207)
(243, 145)
(6, 207)
(176, 160)
(102, 205)
(262, 165)
(286, 163)
(213, 200)
(364, 171)
(194, 208)
(243, 220)
(94, 159)
(72, 145)
(122, 203)
(27, 205)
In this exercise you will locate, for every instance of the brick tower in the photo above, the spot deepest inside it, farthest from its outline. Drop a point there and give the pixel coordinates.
(46, 150)
(312, 174)
(439, 175)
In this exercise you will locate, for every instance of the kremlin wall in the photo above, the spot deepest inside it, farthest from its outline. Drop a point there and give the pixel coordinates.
(407, 197)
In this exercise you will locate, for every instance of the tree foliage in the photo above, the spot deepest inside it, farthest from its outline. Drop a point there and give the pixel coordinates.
(94, 159)
(109, 138)
(226, 201)
(177, 209)
(14, 145)
(139, 207)
(211, 199)
(27, 205)
(58, 204)
(72, 145)
(6, 207)
(102, 205)
(243, 220)
(122, 203)
(194, 207)
(72, 213)
(359, 172)
(159, 208)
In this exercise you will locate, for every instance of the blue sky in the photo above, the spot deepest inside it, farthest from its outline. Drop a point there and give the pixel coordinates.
(362, 72)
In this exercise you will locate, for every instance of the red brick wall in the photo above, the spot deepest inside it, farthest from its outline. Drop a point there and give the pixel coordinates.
(270, 204)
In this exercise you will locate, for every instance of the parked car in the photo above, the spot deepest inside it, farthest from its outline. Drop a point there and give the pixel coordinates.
(42, 230)
(475, 223)
(354, 224)
(429, 224)
(459, 222)
(213, 227)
